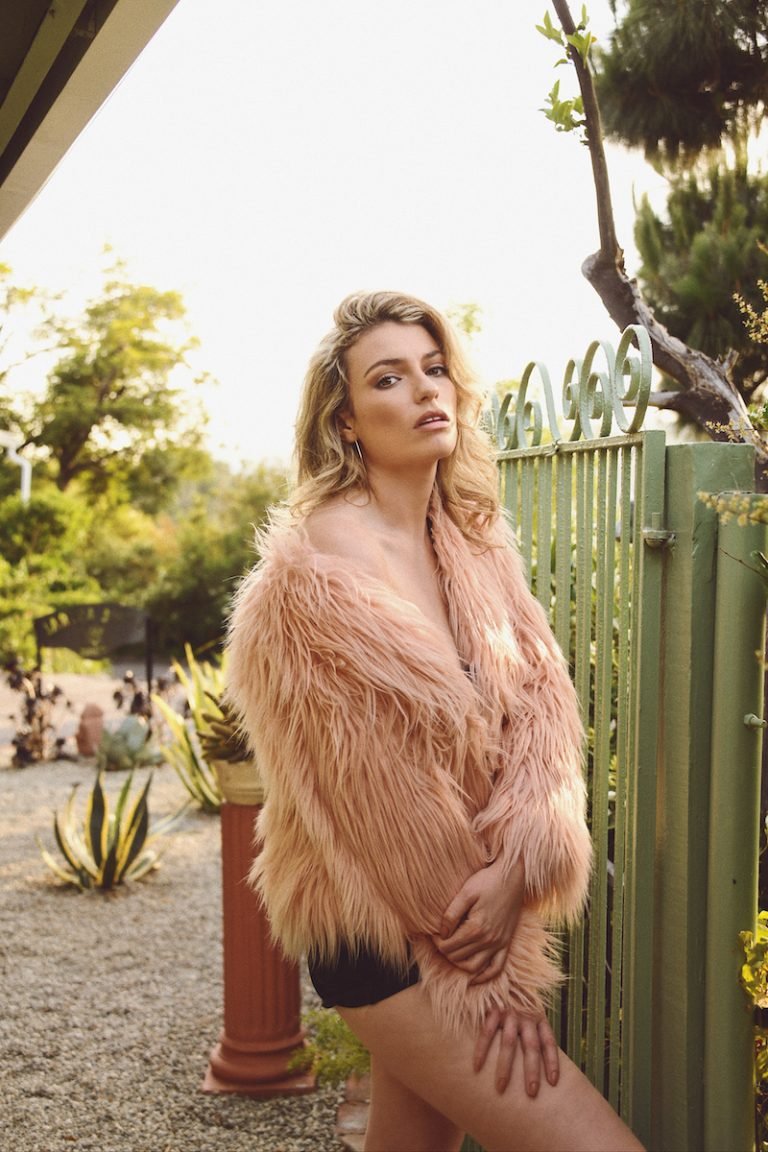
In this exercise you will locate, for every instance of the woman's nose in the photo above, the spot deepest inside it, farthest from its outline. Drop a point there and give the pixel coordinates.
(427, 386)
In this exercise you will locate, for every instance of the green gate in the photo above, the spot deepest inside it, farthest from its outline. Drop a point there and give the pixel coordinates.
(661, 614)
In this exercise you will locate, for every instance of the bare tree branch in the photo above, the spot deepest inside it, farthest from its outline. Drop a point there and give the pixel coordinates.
(707, 396)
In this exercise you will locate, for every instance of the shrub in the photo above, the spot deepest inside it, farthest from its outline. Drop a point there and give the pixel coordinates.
(333, 1052)
(129, 746)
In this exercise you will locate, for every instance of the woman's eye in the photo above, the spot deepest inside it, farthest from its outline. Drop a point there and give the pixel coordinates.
(437, 370)
(386, 381)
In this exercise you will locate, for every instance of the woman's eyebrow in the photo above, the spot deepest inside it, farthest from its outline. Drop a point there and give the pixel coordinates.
(397, 360)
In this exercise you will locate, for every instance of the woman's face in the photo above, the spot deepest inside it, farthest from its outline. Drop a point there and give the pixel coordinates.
(402, 407)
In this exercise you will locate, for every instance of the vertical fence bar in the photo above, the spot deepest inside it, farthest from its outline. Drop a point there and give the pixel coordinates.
(526, 470)
(622, 752)
(602, 649)
(583, 681)
(563, 584)
(734, 836)
(544, 534)
(641, 790)
(563, 553)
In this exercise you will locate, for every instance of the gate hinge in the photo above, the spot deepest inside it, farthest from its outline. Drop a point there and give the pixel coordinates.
(656, 536)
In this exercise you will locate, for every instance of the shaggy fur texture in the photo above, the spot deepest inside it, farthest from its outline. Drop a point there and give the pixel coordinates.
(392, 774)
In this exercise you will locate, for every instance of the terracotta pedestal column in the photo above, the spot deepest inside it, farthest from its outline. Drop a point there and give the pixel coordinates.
(262, 996)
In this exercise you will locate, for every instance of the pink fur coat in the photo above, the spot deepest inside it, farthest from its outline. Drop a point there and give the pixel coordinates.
(391, 774)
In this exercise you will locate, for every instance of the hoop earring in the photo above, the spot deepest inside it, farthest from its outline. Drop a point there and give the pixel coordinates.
(359, 452)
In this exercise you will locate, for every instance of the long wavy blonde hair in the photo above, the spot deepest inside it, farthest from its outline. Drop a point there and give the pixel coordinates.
(466, 480)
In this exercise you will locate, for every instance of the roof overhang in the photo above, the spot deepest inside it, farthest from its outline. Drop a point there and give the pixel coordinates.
(59, 61)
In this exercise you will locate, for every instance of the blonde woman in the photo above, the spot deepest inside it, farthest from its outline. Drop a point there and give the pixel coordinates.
(421, 745)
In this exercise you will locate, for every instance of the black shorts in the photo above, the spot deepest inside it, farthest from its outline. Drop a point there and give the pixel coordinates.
(355, 979)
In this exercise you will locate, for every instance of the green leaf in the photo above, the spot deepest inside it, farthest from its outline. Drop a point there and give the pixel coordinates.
(168, 823)
(548, 30)
(70, 844)
(143, 865)
(582, 44)
(75, 843)
(58, 871)
(762, 565)
(96, 822)
(120, 808)
(109, 873)
(64, 846)
(136, 831)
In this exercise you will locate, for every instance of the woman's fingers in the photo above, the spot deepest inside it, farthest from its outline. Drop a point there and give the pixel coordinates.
(456, 912)
(540, 1052)
(550, 1051)
(459, 951)
(485, 1037)
(474, 964)
(533, 1035)
(507, 1050)
(480, 963)
(472, 935)
(492, 966)
(532, 1055)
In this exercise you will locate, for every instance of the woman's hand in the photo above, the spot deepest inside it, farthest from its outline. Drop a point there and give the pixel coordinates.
(534, 1036)
(480, 921)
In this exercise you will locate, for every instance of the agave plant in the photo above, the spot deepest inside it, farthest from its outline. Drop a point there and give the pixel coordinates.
(203, 683)
(106, 848)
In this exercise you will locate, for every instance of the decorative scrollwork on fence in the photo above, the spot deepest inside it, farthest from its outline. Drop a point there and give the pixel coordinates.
(595, 396)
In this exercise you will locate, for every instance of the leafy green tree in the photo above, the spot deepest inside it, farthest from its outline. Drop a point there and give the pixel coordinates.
(128, 551)
(126, 503)
(111, 416)
(50, 524)
(681, 78)
(704, 251)
(215, 546)
(43, 564)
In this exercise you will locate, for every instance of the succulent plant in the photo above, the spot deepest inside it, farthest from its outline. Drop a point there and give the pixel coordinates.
(129, 746)
(104, 849)
(202, 682)
(222, 738)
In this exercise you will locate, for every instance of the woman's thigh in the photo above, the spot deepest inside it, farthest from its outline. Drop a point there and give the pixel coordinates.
(403, 1034)
(401, 1121)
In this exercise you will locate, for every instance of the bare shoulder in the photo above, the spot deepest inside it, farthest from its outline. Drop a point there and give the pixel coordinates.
(340, 528)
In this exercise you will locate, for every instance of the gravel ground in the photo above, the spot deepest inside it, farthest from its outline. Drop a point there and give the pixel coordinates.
(110, 1004)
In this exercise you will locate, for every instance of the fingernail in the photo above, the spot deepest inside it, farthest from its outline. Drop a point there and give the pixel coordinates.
(532, 1087)
(552, 1078)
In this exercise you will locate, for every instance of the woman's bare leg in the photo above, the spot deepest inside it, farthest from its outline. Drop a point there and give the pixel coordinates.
(400, 1121)
(419, 1053)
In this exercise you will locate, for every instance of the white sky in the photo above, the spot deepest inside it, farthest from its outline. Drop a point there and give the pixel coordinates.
(265, 159)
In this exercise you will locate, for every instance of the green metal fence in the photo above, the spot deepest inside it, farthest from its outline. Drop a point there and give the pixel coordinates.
(660, 613)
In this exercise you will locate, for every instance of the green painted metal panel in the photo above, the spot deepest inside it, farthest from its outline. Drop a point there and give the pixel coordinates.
(683, 774)
(734, 834)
